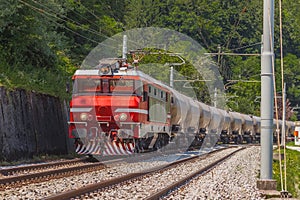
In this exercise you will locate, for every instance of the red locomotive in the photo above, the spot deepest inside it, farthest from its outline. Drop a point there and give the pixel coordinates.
(116, 109)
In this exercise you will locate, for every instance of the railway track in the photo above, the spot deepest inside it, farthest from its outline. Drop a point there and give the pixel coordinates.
(123, 183)
(32, 167)
(175, 186)
(17, 176)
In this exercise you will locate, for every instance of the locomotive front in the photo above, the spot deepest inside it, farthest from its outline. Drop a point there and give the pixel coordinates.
(106, 109)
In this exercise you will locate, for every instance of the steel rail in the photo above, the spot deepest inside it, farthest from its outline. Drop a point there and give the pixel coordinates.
(107, 183)
(184, 180)
(50, 174)
(11, 170)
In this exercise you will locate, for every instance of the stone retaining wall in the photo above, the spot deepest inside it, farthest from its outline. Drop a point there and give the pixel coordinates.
(31, 124)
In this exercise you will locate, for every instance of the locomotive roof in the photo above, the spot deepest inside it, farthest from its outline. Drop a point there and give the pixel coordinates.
(95, 72)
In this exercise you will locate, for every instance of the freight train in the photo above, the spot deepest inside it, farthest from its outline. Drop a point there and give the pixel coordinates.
(117, 109)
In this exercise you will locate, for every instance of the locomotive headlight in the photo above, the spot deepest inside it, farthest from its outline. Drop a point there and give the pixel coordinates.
(84, 116)
(123, 117)
(90, 117)
(116, 117)
(104, 70)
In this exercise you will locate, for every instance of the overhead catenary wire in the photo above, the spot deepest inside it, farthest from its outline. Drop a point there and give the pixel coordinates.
(62, 17)
(246, 46)
(83, 17)
(230, 37)
(48, 15)
(97, 17)
(72, 10)
(89, 11)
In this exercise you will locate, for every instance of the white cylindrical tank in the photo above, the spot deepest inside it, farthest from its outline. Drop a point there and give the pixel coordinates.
(227, 120)
(205, 116)
(216, 121)
(193, 116)
(247, 124)
(236, 122)
(179, 110)
(256, 124)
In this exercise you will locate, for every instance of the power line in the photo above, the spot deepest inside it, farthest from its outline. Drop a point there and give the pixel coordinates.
(46, 14)
(72, 10)
(97, 17)
(244, 47)
(89, 11)
(233, 54)
(77, 24)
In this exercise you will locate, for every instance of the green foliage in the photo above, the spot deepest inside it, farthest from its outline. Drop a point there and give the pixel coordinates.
(42, 80)
(293, 175)
(291, 31)
(244, 87)
(42, 42)
(237, 27)
(292, 77)
(291, 143)
(88, 23)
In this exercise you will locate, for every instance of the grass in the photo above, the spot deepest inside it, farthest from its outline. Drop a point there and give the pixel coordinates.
(292, 144)
(293, 172)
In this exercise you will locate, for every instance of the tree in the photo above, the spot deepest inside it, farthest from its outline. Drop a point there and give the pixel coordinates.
(27, 37)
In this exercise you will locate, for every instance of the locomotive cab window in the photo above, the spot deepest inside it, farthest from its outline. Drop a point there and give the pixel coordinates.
(138, 85)
(86, 85)
(121, 85)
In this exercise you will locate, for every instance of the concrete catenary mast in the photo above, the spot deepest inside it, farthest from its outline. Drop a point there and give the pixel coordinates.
(267, 91)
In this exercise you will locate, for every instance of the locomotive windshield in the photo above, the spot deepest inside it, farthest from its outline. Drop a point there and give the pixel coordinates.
(121, 85)
(86, 86)
(114, 86)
